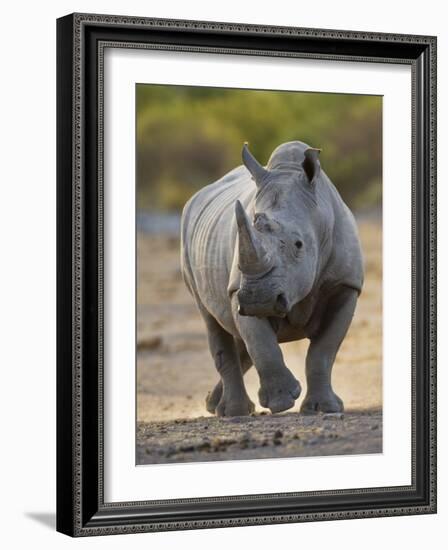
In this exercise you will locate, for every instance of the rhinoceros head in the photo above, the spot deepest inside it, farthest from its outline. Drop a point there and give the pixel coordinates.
(278, 248)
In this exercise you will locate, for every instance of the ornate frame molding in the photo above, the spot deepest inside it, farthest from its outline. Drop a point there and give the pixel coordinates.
(81, 42)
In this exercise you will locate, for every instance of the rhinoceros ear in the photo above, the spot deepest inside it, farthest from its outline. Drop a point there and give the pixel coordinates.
(311, 164)
(258, 173)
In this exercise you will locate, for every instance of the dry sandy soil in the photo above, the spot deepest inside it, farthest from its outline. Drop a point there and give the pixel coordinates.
(175, 373)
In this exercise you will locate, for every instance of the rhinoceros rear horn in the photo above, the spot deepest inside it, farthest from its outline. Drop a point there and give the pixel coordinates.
(252, 258)
(311, 164)
(258, 172)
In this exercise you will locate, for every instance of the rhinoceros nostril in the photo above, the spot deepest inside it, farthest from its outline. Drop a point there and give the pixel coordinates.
(281, 303)
(241, 310)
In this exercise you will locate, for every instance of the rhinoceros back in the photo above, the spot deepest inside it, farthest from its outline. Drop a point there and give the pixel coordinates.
(208, 236)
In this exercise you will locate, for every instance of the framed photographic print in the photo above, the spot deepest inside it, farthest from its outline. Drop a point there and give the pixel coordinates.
(246, 274)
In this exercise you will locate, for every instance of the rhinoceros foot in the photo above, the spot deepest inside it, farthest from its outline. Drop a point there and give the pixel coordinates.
(325, 401)
(232, 406)
(222, 405)
(279, 393)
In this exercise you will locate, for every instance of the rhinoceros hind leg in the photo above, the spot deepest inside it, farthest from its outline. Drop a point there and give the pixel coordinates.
(234, 400)
(213, 398)
(322, 351)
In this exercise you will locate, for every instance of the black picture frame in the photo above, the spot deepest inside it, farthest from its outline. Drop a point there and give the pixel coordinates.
(81, 510)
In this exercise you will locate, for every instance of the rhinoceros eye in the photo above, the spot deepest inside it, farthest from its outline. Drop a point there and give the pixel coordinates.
(298, 244)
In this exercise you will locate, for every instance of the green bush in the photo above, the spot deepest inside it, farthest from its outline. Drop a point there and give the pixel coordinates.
(188, 137)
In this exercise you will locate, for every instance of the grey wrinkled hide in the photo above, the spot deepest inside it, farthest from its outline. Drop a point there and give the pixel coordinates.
(271, 254)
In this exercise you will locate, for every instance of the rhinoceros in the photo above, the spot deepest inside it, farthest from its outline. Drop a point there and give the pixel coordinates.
(272, 254)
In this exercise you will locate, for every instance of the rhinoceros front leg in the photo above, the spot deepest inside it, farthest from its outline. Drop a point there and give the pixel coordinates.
(234, 400)
(214, 396)
(322, 353)
(278, 387)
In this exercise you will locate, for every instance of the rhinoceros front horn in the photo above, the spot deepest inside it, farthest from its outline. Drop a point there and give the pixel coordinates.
(252, 258)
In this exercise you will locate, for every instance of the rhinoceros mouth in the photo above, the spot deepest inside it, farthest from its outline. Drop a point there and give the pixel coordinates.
(271, 308)
(246, 311)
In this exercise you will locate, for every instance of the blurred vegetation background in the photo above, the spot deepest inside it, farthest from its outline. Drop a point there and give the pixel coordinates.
(188, 137)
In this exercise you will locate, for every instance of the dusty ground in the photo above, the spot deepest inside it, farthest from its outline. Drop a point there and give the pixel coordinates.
(175, 372)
